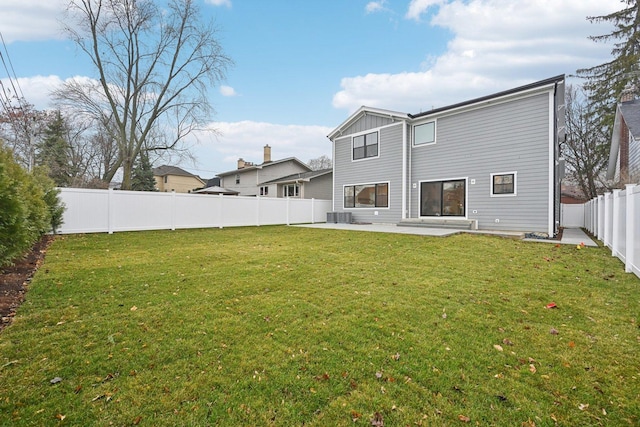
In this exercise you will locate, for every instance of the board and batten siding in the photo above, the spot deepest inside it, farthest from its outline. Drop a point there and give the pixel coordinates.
(385, 168)
(507, 137)
(369, 121)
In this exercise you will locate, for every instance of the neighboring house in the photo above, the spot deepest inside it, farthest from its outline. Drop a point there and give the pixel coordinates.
(251, 179)
(305, 185)
(572, 195)
(624, 154)
(172, 178)
(488, 163)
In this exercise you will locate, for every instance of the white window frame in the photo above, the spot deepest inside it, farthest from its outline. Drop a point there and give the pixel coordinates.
(296, 190)
(367, 132)
(264, 190)
(515, 184)
(435, 133)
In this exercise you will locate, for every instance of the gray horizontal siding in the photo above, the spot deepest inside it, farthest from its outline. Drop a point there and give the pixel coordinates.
(385, 168)
(513, 136)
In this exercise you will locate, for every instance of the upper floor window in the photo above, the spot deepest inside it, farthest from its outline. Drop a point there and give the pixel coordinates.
(365, 146)
(237, 178)
(503, 184)
(424, 133)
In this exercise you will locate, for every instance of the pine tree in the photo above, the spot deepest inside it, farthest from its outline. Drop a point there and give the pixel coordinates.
(53, 151)
(606, 82)
(142, 175)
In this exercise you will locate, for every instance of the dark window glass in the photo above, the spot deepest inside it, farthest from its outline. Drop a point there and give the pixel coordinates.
(442, 198)
(504, 184)
(365, 146)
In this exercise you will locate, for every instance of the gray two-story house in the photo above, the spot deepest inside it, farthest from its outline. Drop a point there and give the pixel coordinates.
(489, 163)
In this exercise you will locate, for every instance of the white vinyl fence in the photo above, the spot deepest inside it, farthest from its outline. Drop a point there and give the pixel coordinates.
(615, 219)
(108, 211)
(572, 215)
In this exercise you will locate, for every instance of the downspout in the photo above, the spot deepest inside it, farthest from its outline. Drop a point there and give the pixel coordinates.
(554, 218)
(404, 170)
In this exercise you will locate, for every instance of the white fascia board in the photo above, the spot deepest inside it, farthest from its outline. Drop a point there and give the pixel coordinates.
(363, 111)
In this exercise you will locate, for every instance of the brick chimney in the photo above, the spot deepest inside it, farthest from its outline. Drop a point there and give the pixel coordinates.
(241, 163)
(267, 153)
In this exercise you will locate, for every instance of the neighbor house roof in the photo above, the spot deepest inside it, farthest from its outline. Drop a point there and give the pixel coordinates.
(172, 170)
(629, 112)
(298, 177)
(265, 165)
(216, 190)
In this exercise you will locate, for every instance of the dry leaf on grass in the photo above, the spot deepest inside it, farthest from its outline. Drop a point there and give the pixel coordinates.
(498, 347)
(464, 418)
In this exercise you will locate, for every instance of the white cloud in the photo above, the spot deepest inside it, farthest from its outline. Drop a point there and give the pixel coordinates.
(418, 7)
(226, 3)
(496, 45)
(43, 18)
(36, 90)
(227, 91)
(246, 139)
(375, 6)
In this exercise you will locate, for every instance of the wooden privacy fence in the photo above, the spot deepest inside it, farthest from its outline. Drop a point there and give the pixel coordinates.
(615, 219)
(108, 211)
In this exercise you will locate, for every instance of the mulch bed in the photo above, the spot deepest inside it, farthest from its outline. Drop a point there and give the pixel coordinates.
(15, 279)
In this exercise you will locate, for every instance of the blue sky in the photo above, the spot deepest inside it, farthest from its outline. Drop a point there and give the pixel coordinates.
(303, 66)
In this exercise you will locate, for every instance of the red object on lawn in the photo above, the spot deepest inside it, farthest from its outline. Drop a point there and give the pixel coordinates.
(551, 305)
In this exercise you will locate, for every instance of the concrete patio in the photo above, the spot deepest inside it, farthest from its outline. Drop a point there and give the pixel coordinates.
(570, 236)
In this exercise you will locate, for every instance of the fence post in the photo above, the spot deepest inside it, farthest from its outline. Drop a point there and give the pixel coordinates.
(630, 229)
(220, 210)
(615, 223)
(313, 211)
(601, 210)
(288, 207)
(173, 210)
(258, 211)
(110, 211)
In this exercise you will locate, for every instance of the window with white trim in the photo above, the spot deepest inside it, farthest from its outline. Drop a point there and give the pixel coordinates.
(365, 146)
(237, 178)
(291, 190)
(366, 196)
(424, 134)
(503, 184)
(264, 190)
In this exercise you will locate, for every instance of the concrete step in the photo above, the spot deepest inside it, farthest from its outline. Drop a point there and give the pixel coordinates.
(459, 224)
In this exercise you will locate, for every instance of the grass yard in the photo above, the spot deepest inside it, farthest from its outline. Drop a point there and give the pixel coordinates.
(289, 326)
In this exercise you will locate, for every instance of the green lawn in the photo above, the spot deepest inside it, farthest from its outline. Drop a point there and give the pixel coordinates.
(292, 326)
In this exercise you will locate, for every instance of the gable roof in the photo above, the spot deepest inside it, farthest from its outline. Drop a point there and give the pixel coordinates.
(630, 112)
(171, 170)
(302, 176)
(265, 165)
(364, 111)
(216, 189)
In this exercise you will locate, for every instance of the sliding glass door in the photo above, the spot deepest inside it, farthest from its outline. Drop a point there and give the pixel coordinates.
(442, 198)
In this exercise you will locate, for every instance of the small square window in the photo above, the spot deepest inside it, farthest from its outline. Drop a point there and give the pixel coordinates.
(424, 134)
(503, 184)
(365, 146)
(264, 190)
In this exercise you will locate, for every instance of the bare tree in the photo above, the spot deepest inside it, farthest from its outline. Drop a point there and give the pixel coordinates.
(322, 162)
(155, 66)
(586, 147)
